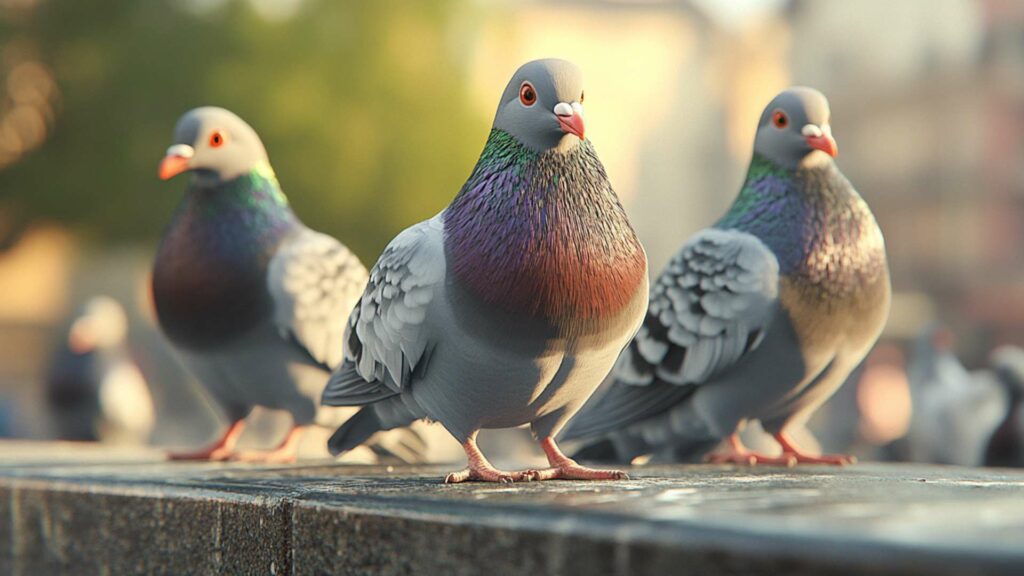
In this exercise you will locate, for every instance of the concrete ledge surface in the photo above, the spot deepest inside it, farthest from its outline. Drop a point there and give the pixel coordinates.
(79, 509)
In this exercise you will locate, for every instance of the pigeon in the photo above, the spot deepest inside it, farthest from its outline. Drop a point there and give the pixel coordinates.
(511, 305)
(956, 412)
(252, 299)
(95, 390)
(760, 317)
(1006, 444)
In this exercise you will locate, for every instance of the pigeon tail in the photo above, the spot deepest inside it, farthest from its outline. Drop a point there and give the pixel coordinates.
(355, 431)
(407, 446)
(347, 388)
(386, 415)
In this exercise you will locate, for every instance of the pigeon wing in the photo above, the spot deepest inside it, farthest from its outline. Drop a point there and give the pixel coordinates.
(710, 307)
(385, 337)
(314, 282)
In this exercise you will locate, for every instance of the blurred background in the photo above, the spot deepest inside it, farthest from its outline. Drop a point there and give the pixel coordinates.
(374, 113)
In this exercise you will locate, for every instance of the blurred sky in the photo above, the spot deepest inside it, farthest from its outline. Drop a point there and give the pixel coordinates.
(374, 113)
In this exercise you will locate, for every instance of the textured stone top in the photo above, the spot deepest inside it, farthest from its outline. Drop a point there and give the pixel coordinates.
(91, 509)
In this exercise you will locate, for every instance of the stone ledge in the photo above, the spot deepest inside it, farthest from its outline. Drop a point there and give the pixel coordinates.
(68, 510)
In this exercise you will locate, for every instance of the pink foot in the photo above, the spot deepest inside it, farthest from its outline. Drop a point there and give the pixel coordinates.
(790, 449)
(570, 470)
(565, 468)
(480, 470)
(749, 459)
(222, 449)
(265, 456)
(736, 453)
(488, 474)
(215, 453)
(285, 453)
(830, 459)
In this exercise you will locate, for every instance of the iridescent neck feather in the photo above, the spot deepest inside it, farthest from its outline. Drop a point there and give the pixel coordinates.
(543, 234)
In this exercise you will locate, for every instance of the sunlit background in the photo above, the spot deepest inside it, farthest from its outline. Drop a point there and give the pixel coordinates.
(374, 113)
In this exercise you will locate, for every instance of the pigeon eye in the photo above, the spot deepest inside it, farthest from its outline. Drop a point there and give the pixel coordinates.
(581, 97)
(527, 95)
(216, 139)
(779, 119)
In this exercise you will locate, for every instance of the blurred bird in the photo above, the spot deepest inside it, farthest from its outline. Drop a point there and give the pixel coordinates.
(760, 317)
(511, 305)
(95, 390)
(1006, 444)
(955, 412)
(252, 299)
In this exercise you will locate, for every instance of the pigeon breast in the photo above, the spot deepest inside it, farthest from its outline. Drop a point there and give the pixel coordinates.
(209, 278)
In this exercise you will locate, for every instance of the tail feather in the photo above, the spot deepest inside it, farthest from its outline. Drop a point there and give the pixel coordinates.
(406, 445)
(355, 431)
(347, 388)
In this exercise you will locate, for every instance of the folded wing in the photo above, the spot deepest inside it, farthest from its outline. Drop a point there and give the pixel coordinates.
(711, 306)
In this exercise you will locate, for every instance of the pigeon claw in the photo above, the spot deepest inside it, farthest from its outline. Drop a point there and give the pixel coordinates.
(750, 459)
(829, 459)
(482, 474)
(574, 471)
(265, 456)
(213, 454)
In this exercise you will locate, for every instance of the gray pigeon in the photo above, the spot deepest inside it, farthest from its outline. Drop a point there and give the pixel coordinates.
(96, 390)
(955, 412)
(511, 305)
(252, 299)
(760, 317)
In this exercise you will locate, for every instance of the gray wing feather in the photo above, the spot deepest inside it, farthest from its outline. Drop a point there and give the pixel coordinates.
(385, 333)
(315, 281)
(710, 307)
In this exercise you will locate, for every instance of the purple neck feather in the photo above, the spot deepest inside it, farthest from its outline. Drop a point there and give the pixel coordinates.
(543, 234)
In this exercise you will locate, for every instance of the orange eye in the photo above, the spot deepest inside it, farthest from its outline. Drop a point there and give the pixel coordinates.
(217, 139)
(779, 119)
(527, 95)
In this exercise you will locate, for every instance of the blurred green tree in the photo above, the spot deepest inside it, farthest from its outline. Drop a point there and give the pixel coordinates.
(361, 105)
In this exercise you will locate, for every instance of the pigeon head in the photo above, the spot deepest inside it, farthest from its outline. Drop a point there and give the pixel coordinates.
(542, 106)
(794, 129)
(102, 324)
(215, 145)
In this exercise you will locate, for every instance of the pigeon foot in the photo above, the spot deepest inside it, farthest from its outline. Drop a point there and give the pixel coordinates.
(285, 453)
(488, 474)
(565, 468)
(750, 459)
(222, 449)
(212, 454)
(791, 450)
(573, 471)
(480, 470)
(737, 453)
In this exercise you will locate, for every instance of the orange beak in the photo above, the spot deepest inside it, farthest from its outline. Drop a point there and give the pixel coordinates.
(571, 124)
(825, 143)
(171, 166)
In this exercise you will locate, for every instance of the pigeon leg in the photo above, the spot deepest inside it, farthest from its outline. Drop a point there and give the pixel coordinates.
(285, 453)
(737, 453)
(565, 468)
(222, 449)
(481, 470)
(790, 449)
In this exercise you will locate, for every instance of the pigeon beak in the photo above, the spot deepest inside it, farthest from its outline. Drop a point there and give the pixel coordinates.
(81, 337)
(176, 161)
(820, 138)
(570, 118)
